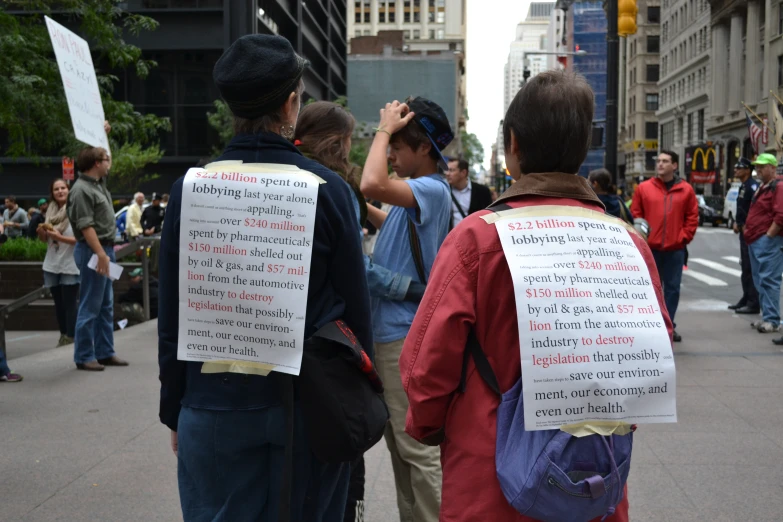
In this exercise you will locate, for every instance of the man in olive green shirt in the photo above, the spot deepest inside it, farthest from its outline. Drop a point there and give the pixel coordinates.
(91, 213)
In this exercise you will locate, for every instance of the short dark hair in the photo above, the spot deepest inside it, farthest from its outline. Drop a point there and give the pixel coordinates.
(89, 156)
(269, 122)
(12, 199)
(673, 155)
(551, 117)
(602, 178)
(462, 163)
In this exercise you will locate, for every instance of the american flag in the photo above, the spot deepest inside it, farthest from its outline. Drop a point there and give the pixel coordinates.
(755, 133)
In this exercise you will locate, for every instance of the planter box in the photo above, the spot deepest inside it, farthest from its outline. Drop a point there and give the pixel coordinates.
(18, 278)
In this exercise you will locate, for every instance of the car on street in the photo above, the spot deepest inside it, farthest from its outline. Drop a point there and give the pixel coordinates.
(708, 214)
(730, 205)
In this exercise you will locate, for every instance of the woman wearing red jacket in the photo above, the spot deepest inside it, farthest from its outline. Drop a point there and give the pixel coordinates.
(547, 135)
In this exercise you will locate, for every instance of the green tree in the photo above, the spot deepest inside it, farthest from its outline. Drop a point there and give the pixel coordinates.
(33, 109)
(472, 149)
(222, 121)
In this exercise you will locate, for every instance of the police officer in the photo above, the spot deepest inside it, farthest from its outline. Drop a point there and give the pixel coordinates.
(749, 303)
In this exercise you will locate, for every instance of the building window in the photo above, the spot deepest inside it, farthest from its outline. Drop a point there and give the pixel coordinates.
(780, 18)
(407, 9)
(366, 17)
(651, 130)
(358, 32)
(689, 130)
(441, 34)
(653, 44)
(652, 72)
(652, 102)
(432, 34)
(391, 17)
(780, 70)
(416, 34)
(441, 17)
(667, 135)
(382, 17)
(653, 14)
(700, 122)
(649, 159)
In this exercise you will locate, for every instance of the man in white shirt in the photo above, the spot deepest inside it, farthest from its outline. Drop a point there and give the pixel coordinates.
(133, 217)
(466, 197)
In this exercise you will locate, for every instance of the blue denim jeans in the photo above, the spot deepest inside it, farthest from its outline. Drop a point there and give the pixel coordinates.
(94, 323)
(4, 369)
(670, 265)
(766, 262)
(230, 467)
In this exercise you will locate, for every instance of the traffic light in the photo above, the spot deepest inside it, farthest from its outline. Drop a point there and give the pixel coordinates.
(626, 17)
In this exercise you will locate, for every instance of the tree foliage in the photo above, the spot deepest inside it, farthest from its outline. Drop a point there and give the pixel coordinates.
(472, 149)
(33, 108)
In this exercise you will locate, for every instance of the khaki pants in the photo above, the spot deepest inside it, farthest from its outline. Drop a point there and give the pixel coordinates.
(417, 472)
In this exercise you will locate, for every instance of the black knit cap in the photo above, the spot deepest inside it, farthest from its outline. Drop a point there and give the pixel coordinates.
(257, 74)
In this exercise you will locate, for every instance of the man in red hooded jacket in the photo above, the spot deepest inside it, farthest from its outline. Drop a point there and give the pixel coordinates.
(547, 136)
(669, 205)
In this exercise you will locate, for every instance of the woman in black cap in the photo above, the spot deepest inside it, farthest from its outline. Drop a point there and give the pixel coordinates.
(227, 429)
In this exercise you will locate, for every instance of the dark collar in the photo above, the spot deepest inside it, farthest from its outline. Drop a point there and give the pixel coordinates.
(261, 140)
(85, 177)
(553, 185)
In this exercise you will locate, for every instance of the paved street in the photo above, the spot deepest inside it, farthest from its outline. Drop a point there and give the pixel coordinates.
(79, 446)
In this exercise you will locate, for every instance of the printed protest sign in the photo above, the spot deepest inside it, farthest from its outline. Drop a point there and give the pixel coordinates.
(593, 342)
(246, 237)
(81, 85)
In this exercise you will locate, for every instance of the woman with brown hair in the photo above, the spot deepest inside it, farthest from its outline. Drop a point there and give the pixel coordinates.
(61, 275)
(323, 133)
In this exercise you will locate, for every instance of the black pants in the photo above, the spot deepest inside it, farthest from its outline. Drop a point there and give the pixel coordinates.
(354, 506)
(750, 296)
(66, 306)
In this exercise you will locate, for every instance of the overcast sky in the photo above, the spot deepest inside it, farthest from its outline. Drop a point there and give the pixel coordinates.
(490, 31)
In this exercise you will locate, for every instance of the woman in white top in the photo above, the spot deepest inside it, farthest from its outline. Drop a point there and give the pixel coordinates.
(61, 276)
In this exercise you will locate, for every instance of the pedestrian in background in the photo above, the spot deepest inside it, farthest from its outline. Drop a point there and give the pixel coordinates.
(467, 196)
(91, 213)
(749, 302)
(37, 218)
(762, 233)
(236, 472)
(15, 219)
(133, 226)
(152, 217)
(6, 375)
(61, 275)
(668, 203)
(601, 181)
(414, 134)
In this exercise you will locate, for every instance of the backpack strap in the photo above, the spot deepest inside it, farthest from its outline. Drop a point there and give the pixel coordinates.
(473, 349)
(415, 244)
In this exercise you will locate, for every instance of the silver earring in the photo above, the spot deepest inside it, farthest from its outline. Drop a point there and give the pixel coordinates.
(287, 131)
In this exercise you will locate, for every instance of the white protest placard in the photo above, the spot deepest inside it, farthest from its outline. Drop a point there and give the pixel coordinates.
(593, 342)
(246, 237)
(81, 85)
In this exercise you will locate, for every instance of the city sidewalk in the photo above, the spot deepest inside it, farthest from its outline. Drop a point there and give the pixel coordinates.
(80, 446)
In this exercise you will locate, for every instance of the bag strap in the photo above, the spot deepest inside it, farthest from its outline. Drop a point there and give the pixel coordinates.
(456, 203)
(473, 349)
(415, 244)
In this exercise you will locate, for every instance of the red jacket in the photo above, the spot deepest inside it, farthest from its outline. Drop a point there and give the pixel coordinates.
(673, 214)
(766, 208)
(470, 287)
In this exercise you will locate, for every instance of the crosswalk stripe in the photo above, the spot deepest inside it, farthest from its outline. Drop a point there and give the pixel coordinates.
(714, 231)
(733, 259)
(704, 278)
(716, 266)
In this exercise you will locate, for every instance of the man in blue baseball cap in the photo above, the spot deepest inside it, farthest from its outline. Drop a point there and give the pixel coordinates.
(414, 134)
